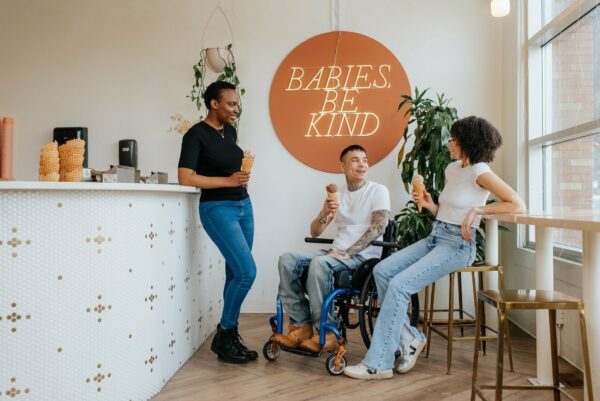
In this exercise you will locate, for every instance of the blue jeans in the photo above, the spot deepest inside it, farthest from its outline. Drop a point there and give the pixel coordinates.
(319, 284)
(406, 272)
(230, 224)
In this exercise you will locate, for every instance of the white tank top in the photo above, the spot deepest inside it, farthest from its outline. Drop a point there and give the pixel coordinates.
(461, 193)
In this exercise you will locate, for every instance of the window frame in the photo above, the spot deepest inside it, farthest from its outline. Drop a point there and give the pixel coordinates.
(538, 35)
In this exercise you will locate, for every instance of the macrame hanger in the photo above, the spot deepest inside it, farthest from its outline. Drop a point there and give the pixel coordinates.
(335, 5)
(217, 8)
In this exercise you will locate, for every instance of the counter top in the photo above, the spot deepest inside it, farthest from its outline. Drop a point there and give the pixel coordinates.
(93, 186)
(583, 220)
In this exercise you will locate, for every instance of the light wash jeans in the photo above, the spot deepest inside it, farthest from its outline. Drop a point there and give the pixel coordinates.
(406, 272)
(319, 284)
(230, 224)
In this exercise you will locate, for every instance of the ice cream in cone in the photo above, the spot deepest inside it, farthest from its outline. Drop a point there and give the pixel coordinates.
(247, 161)
(332, 194)
(419, 188)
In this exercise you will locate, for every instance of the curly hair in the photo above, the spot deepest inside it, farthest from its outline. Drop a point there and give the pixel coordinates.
(215, 90)
(478, 138)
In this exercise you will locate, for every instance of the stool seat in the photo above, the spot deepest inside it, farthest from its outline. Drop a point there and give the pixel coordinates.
(529, 299)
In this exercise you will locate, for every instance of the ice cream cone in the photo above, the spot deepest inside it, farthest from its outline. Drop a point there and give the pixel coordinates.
(247, 161)
(332, 194)
(247, 164)
(419, 188)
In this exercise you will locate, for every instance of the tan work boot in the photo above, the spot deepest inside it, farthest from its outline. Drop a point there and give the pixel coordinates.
(312, 344)
(295, 335)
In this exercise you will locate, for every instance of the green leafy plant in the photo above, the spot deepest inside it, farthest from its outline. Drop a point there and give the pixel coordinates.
(429, 156)
(229, 74)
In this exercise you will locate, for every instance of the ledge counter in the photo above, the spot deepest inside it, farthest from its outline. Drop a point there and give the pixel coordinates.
(106, 290)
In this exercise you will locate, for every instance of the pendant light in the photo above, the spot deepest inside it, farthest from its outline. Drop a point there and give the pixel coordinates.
(500, 8)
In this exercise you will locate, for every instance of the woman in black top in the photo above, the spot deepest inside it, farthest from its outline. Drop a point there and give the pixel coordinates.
(211, 160)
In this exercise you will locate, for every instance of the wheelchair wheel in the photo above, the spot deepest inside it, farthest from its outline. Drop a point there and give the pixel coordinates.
(330, 365)
(271, 351)
(368, 310)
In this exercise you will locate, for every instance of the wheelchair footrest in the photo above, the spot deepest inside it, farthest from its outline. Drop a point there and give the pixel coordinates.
(300, 351)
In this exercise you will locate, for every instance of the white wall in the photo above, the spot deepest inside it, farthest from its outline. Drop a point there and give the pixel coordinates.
(122, 67)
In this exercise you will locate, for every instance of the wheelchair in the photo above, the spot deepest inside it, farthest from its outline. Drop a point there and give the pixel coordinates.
(354, 290)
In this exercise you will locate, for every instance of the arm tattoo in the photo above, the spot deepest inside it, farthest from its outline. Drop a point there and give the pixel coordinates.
(379, 219)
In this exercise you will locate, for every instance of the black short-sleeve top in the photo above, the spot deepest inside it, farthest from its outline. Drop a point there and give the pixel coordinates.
(205, 151)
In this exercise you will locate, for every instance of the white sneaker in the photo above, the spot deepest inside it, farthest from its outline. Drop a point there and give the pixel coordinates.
(410, 354)
(363, 372)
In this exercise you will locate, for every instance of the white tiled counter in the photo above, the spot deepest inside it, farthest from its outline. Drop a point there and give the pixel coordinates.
(105, 289)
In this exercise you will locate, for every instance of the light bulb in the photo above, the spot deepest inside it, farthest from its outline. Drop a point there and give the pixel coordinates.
(500, 8)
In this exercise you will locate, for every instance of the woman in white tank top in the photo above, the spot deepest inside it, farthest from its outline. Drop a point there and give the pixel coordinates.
(450, 246)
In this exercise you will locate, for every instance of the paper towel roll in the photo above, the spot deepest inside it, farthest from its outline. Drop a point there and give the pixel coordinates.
(6, 149)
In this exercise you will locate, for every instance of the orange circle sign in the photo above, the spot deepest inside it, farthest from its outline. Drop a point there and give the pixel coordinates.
(334, 90)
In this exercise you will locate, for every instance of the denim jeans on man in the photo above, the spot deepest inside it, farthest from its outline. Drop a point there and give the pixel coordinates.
(230, 224)
(319, 284)
(405, 273)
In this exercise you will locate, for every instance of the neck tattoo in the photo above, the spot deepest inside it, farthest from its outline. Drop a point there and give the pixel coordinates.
(356, 187)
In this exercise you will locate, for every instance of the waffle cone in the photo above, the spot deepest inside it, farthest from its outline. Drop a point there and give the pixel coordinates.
(247, 163)
(335, 197)
(419, 188)
(48, 169)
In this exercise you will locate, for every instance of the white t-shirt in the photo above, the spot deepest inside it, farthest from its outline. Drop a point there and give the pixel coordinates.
(354, 215)
(461, 193)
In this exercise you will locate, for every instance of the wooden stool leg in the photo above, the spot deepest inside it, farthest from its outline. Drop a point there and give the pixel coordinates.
(554, 351)
(474, 284)
(450, 323)
(479, 307)
(430, 320)
(483, 332)
(425, 311)
(586, 357)
(460, 303)
(508, 344)
(500, 360)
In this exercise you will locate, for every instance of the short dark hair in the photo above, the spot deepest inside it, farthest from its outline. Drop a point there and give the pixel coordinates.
(350, 149)
(214, 91)
(478, 138)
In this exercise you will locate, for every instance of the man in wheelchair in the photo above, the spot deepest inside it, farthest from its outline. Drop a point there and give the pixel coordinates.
(361, 216)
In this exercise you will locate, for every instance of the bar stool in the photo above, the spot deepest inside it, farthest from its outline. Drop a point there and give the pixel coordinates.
(431, 325)
(505, 300)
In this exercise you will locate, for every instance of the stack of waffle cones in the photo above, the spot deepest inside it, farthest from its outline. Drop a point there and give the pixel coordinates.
(71, 160)
(49, 165)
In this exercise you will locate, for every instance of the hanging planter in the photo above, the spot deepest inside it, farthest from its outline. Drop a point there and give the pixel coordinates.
(217, 58)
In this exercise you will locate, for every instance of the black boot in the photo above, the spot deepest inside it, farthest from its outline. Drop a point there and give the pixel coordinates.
(224, 345)
(237, 339)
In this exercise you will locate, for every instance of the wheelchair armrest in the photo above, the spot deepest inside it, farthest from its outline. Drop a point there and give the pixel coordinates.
(313, 240)
(385, 244)
(382, 244)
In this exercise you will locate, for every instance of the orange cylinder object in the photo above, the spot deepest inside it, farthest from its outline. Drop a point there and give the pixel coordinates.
(6, 149)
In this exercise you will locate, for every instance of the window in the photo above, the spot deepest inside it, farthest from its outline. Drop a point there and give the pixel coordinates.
(563, 112)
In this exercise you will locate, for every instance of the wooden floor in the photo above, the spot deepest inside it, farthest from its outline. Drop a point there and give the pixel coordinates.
(294, 377)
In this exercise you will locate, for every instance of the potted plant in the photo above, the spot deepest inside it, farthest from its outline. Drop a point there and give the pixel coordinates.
(429, 157)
